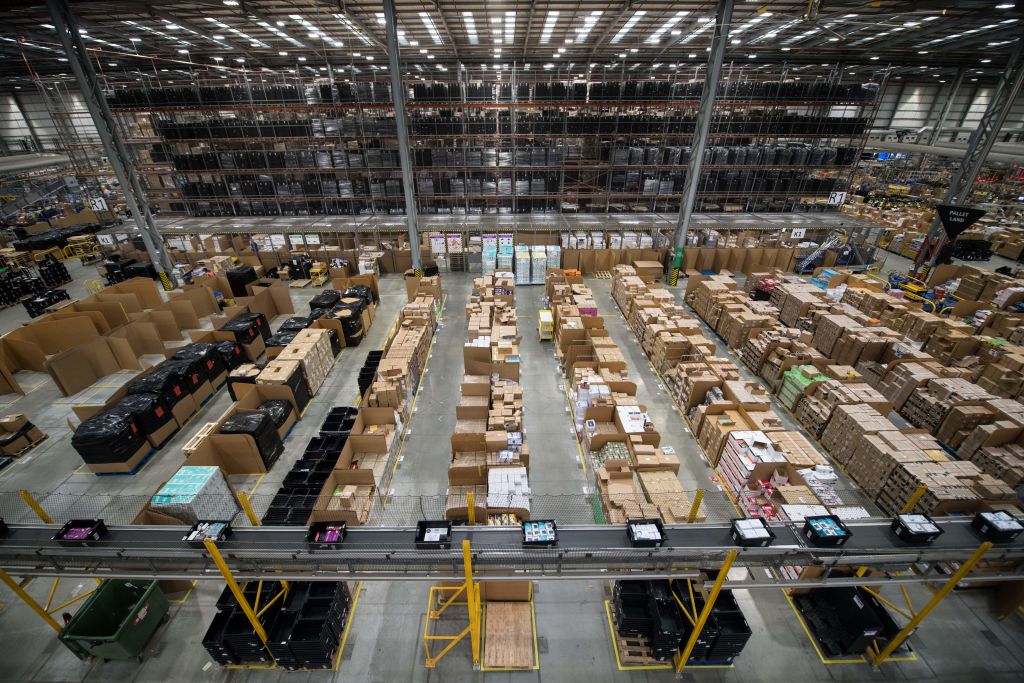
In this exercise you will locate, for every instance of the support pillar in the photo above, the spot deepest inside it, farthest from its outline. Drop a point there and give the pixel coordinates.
(402, 129)
(978, 146)
(66, 28)
(707, 106)
(36, 140)
(944, 114)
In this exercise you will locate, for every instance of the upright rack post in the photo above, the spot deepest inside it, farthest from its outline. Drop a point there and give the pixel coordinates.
(67, 31)
(700, 137)
(402, 131)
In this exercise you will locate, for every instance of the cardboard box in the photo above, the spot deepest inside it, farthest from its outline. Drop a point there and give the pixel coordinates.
(250, 396)
(122, 467)
(17, 434)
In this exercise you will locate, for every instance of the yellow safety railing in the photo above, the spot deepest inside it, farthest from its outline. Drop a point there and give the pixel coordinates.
(471, 590)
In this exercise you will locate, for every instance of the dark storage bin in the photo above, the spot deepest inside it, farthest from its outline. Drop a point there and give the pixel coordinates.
(326, 535)
(751, 533)
(645, 533)
(915, 528)
(998, 527)
(117, 620)
(826, 531)
(80, 532)
(434, 535)
(540, 533)
(215, 530)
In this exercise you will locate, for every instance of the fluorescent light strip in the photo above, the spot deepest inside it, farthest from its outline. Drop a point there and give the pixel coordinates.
(240, 34)
(32, 45)
(630, 23)
(470, 23)
(428, 23)
(706, 23)
(549, 26)
(801, 36)
(219, 43)
(163, 35)
(279, 33)
(742, 28)
(354, 30)
(588, 25)
(770, 35)
(313, 28)
(666, 27)
(510, 27)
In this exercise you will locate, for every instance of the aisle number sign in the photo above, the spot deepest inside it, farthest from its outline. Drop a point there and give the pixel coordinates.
(798, 233)
(836, 198)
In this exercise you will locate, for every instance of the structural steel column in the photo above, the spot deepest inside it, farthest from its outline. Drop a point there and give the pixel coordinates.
(937, 130)
(92, 92)
(700, 138)
(402, 129)
(978, 147)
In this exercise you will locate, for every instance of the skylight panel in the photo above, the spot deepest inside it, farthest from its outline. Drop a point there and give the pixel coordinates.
(627, 27)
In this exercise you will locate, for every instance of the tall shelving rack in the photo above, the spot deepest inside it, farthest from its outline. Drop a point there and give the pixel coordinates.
(315, 147)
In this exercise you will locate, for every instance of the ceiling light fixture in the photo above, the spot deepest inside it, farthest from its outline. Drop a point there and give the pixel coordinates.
(549, 26)
(470, 24)
(588, 25)
(628, 26)
(428, 23)
(655, 37)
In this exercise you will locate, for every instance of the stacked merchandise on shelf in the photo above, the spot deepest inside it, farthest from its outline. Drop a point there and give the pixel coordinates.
(538, 264)
(506, 258)
(195, 494)
(554, 253)
(489, 253)
(635, 477)
(490, 456)
(522, 266)
(401, 366)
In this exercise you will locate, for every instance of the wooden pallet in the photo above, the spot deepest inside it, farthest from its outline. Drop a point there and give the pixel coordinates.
(29, 447)
(602, 275)
(633, 650)
(299, 284)
(190, 447)
(508, 636)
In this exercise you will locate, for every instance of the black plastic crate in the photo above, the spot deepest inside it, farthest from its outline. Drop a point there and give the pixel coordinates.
(826, 531)
(915, 528)
(96, 531)
(998, 527)
(645, 533)
(317, 531)
(440, 537)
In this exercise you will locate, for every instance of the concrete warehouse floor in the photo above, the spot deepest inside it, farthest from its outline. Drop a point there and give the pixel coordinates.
(959, 641)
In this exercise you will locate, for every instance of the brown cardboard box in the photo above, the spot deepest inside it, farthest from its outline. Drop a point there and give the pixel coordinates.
(250, 396)
(18, 434)
(121, 467)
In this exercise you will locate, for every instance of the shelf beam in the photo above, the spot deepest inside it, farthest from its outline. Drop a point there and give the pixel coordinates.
(700, 138)
(92, 90)
(402, 128)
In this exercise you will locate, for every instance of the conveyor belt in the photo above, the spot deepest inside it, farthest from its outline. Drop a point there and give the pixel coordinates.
(390, 553)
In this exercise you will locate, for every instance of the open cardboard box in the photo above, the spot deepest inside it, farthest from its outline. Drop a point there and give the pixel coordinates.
(353, 507)
(250, 396)
(85, 411)
(232, 453)
(122, 467)
(364, 459)
(370, 416)
(371, 281)
(268, 296)
(253, 350)
(28, 347)
(81, 366)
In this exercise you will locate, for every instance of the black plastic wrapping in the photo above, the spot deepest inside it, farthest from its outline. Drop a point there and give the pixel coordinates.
(281, 338)
(230, 354)
(351, 324)
(278, 409)
(208, 355)
(326, 299)
(246, 326)
(317, 313)
(165, 381)
(111, 436)
(150, 411)
(336, 346)
(239, 277)
(360, 296)
(260, 426)
(294, 324)
(191, 370)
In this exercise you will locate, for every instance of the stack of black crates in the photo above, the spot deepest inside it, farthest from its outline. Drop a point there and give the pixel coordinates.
(369, 371)
(651, 609)
(308, 630)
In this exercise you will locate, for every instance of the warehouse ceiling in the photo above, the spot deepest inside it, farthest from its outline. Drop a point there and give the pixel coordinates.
(534, 40)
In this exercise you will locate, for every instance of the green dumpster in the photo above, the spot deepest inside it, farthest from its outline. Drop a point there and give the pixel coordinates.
(117, 620)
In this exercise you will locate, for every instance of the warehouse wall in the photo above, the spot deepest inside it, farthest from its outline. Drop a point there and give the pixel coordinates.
(910, 106)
